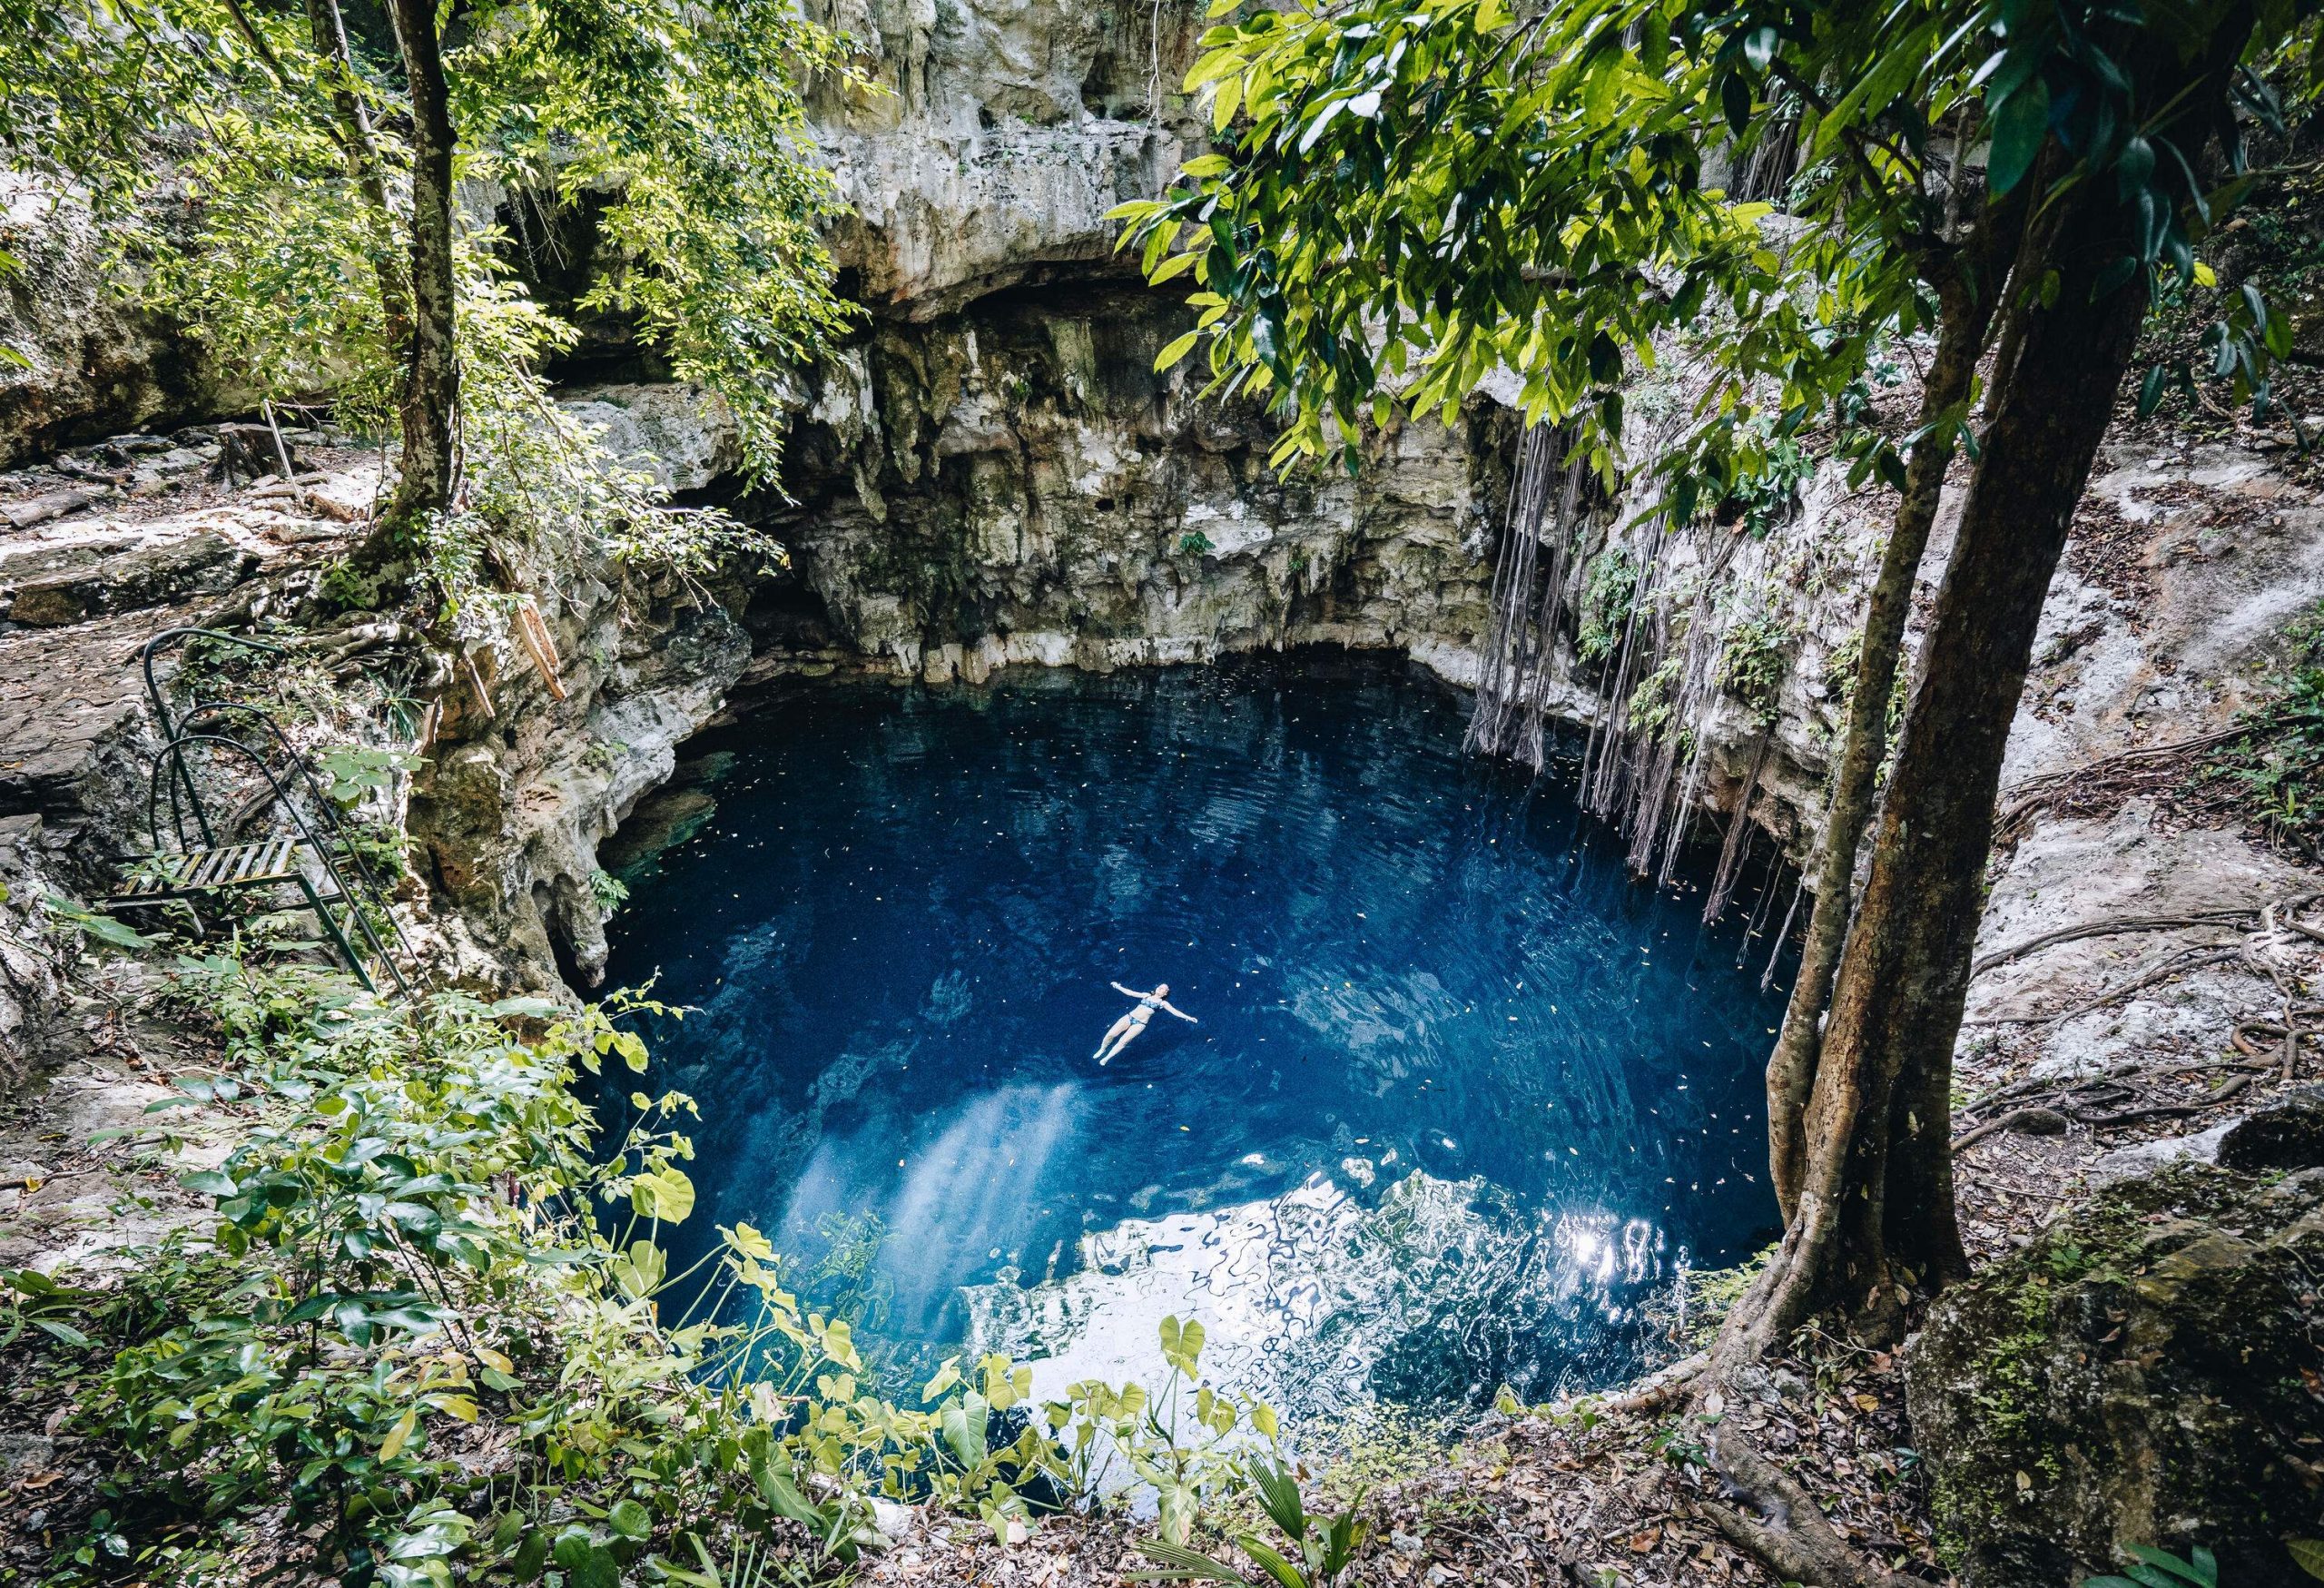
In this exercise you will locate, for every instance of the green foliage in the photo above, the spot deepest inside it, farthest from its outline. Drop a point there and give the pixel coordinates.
(1653, 706)
(1405, 199)
(31, 1298)
(95, 926)
(2160, 1568)
(350, 772)
(383, 846)
(689, 120)
(1194, 543)
(1844, 667)
(1609, 595)
(1770, 467)
(239, 201)
(539, 479)
(378, 1276)
(1180, 1441)
(1755, 660)
(1411, 138)
(1375, 1445)
(419, 1244)
(1322, 1547)
(2276, 770)
(685, 126)
(606, 891)
(1674, 1446)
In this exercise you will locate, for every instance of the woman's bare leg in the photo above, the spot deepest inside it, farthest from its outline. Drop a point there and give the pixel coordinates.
(1116, 1037)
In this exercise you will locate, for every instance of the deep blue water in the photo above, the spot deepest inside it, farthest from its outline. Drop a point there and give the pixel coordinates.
(1462, 1099)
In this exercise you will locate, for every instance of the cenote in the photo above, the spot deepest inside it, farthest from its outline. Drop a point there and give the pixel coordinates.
(1463, 1102)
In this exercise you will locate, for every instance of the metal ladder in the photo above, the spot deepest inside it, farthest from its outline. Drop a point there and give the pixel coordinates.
(310, 858)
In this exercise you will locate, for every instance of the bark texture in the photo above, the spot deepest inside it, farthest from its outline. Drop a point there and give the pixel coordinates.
(1874, 1211)
(431, 369)
(1968, 283)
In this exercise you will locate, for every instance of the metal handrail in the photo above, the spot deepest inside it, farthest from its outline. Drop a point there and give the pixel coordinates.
(184, 782)
(152, 646)
(173, 756)
(325, 805)
(170, 636)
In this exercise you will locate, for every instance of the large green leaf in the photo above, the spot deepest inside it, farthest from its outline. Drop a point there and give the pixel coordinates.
(2021, 124)
(664, 1193)
(1185, 1565)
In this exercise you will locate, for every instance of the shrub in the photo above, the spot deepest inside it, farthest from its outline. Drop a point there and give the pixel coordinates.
(432, 1326)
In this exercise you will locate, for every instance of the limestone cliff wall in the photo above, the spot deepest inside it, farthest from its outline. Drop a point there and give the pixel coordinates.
(994, 136)
(1011, 482)
(92, 361)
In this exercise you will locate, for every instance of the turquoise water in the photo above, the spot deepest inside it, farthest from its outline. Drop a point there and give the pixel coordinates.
(1462, 1102)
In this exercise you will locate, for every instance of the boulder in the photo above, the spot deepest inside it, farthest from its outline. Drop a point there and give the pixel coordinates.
(145, 576)
(2146, 1373)
(92, 360)
(2287, 1134)
(684, 435)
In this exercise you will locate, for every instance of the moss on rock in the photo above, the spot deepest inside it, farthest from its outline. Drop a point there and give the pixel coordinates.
(2146, 1373)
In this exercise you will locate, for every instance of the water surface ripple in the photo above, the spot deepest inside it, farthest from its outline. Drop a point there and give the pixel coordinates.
(1462, 1100)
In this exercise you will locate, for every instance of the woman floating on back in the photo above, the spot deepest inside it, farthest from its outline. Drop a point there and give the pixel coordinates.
(1123, 1030)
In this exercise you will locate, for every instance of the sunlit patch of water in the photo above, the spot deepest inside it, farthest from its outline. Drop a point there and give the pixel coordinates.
(1309, 1295)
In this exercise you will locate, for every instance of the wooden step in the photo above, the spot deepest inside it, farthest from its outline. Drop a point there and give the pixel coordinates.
(258, 865)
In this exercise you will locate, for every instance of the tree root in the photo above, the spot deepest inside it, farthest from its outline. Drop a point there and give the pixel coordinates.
(2171, 1110)
(1662, 1386)
(2108, 929)
(1783, 1526)
(2037, 794)
(2035, 1121)
(2177, 965)
(2107, 1092)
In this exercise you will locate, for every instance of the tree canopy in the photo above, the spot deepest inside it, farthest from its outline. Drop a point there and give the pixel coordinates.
(1408, 195)
(260, 174)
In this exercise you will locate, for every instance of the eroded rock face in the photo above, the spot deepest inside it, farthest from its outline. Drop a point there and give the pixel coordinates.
(1000, 133)
(94, 363)
(2146, 1373)
(522, 791)
(32, 958)
(1013, 483)
(681, 434)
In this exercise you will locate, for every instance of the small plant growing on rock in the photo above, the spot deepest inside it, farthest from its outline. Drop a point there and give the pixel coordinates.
(98, 928)
(1194, 543)
(351, 772)
(1756, 660)
(1609, 592)
(608, 891)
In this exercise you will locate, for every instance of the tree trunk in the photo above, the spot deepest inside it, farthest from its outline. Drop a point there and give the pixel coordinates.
(1875, 1206)
(1968, 282)
(328, 31)
(432, 369)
